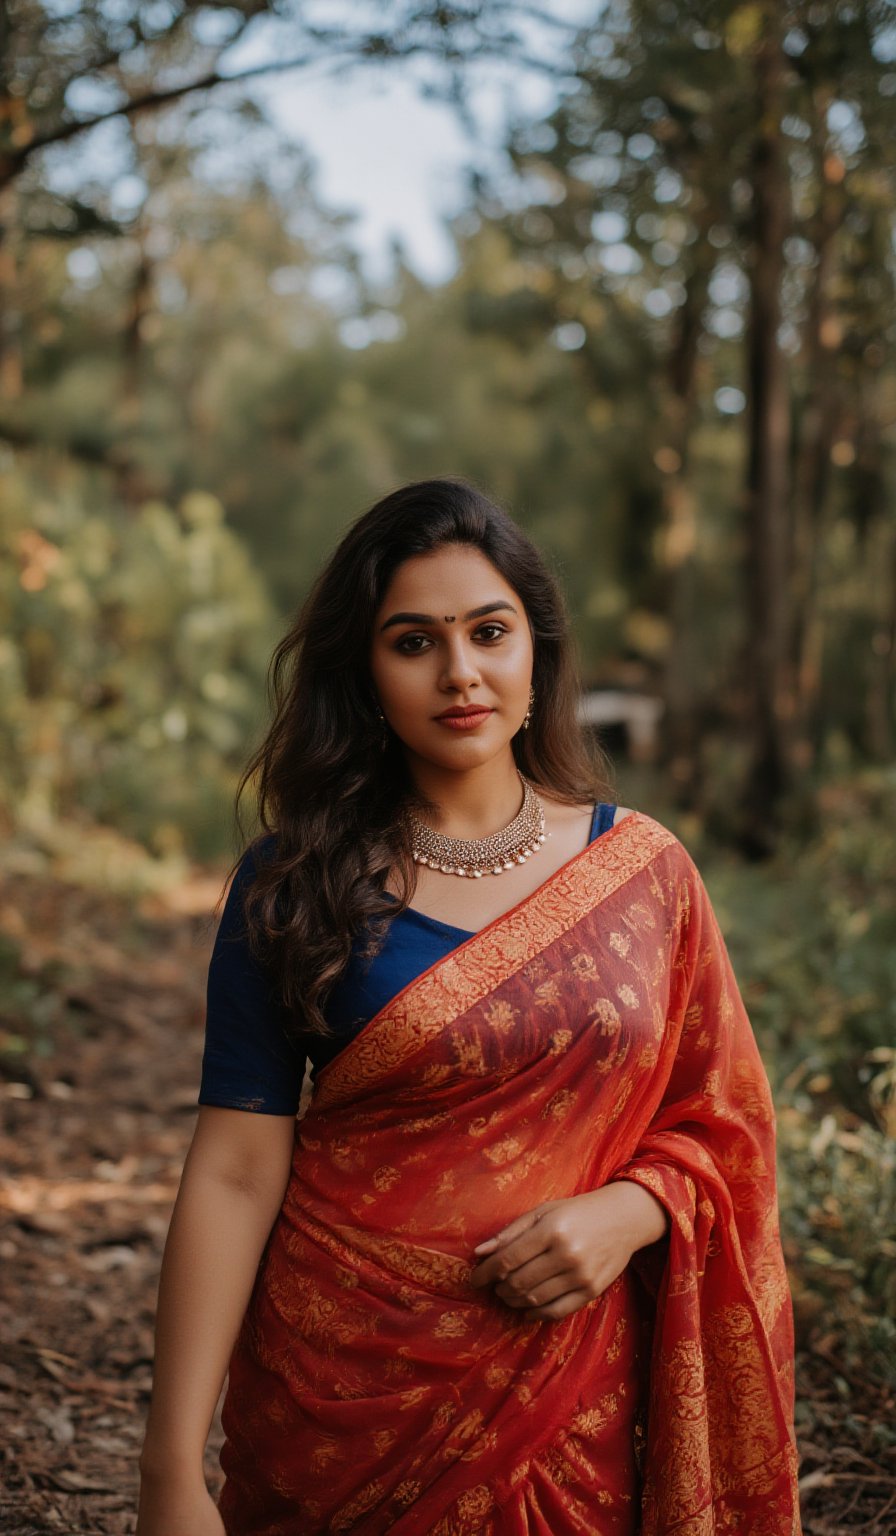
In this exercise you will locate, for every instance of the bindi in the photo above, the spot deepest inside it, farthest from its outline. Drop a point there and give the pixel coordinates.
(449, 618)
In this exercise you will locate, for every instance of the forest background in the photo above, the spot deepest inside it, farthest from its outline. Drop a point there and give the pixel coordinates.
(666, 347)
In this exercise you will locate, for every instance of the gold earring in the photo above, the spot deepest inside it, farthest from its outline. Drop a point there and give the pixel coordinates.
(529, 710)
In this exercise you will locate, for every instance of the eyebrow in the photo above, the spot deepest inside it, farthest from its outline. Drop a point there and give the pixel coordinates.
(428, 618)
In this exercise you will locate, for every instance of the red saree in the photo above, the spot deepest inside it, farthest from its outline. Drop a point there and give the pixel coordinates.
(594, 1032)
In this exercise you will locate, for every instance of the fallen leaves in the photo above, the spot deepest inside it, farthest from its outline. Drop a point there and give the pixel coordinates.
(97, 1116)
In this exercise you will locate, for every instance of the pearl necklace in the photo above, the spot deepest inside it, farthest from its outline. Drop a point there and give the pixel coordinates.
(476, 857)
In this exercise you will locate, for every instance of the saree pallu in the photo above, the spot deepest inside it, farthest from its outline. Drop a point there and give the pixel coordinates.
(594, 1032)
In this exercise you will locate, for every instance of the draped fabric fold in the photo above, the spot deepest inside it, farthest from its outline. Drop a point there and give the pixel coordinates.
(594, 1032)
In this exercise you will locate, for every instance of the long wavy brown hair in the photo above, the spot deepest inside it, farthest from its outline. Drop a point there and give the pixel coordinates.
(331, 779)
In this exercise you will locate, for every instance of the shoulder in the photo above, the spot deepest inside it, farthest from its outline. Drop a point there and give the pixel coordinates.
(565, 812)
(655, 839)
(663, 849)
(261, 851)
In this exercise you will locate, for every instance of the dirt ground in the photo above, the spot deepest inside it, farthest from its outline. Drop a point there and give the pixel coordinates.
(108, 995)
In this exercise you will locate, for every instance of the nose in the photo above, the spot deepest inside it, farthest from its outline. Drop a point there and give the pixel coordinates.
(459, 670)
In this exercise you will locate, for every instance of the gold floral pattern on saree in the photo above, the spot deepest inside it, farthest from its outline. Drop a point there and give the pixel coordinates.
(493, 955)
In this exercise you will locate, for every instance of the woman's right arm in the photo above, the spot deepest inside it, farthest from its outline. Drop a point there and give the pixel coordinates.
(231, 1190)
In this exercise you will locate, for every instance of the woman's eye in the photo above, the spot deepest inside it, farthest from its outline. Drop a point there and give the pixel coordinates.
(414, 645)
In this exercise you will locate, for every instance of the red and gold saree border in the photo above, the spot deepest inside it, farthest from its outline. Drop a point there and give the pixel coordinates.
(491, 956)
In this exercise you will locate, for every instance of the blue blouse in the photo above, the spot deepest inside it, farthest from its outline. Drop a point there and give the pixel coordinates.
(249, 1060)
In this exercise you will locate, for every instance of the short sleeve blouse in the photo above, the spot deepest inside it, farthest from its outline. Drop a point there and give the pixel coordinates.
(251, 1060)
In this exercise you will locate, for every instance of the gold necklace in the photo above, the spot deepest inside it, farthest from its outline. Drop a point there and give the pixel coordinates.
(479, 856)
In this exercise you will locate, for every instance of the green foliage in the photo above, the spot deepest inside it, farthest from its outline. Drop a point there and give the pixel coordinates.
(837, 1191)
(812, 937)
(816, 934)
(132, 666)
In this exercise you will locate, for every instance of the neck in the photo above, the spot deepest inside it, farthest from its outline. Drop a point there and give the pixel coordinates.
(473, 803)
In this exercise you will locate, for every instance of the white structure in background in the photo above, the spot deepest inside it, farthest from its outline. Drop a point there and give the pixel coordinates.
(636, 714)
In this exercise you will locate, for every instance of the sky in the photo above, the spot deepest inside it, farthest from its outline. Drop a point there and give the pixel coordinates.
(395, 158)
(390, 157)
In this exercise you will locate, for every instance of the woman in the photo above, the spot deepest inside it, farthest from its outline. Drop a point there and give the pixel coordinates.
(517, 1268)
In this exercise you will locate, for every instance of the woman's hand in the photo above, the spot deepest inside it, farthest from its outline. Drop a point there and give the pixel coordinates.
(561, 1255)
(174, 1504)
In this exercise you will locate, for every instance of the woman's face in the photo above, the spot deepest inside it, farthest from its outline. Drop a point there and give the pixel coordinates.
(451, 634)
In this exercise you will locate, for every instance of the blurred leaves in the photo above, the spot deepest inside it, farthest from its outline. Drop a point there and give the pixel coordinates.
(812, 937)
(132, 665)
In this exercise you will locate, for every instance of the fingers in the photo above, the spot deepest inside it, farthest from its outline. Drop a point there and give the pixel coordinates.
(553, 1260)
(518, 1250)
(514, 1229)
(534, 1273)
(561, 1306)
(552, 1243)
(548, 1289)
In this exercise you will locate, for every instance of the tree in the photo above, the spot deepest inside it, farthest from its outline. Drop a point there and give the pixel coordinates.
(676, 173)
(66, 74)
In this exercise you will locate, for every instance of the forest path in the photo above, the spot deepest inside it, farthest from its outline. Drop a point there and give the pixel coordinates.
(98, 1113)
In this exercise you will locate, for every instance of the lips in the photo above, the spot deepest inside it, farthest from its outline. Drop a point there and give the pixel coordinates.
(464, 719)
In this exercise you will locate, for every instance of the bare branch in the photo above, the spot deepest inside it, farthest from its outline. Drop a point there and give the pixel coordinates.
(373, 49)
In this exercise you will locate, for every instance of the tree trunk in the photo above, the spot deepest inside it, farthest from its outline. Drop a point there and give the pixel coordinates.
(11, 371)
(817, 430)
(881, 724)
(681, 725)
(141, 299)
(11, 120)
(767, 485)
(880, 554)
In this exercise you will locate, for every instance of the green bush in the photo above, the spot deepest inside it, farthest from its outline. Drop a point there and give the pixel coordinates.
(132, 670)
